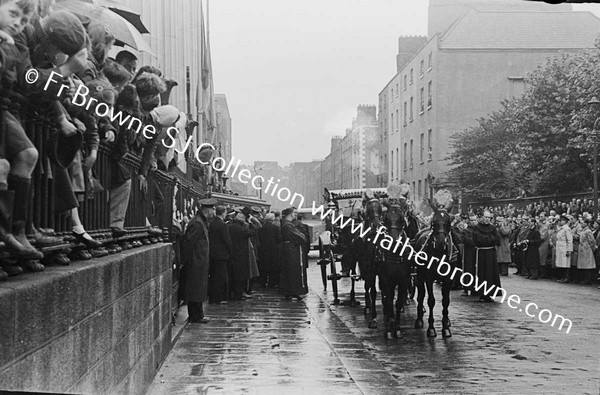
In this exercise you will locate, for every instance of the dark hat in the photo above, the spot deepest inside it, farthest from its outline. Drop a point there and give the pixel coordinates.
(65, 31)
(256, 209)
(208, 202)
(287, 212)
(564, 218)
(246, 211)
(205, 153)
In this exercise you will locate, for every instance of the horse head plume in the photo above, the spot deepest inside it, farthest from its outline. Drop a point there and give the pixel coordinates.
(398, 191)
(365, 198)
(327, 195)
(443, 199)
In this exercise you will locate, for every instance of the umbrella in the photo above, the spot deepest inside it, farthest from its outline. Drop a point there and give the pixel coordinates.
(132, 17)
(123, 31)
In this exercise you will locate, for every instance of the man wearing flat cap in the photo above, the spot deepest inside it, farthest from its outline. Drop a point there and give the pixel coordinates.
(230, 215)
(220, 252)
(292, 281)
(195, 261)
(240, 270)
(256, 211)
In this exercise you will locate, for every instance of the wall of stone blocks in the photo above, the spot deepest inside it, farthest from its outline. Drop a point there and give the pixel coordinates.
(99, 326)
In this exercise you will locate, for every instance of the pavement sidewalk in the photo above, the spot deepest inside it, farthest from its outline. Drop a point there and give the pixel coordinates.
(268, 345)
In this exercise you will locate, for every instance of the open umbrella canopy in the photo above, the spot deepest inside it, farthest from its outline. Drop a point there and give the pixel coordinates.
(132, 17)
(123, 31)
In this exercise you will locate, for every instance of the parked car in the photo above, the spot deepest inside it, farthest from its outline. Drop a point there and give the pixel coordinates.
(315, 226)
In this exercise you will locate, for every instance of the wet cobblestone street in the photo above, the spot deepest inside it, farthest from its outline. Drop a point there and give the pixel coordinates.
(494, 348)
(268, 345)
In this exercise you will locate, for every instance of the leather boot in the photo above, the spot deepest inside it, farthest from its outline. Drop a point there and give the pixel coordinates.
(12, 244)
(20, 186)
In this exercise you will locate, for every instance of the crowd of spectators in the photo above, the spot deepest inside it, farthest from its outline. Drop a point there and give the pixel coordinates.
(575, 206)
(556, 240)
(227, 251)
(55, 71)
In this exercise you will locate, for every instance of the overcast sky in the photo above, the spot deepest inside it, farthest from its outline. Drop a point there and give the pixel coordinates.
(294, 71)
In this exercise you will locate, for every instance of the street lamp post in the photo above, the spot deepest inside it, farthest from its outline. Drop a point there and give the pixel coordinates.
(592, 103)
(261, 179)
(595, 174)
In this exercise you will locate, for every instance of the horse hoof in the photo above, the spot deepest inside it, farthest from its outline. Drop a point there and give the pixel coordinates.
(407, 303)
(398, 333)
(402, 309)
(418, 324)
(446, 333)
(367, 311)
(373, 324)
(431, 332)
(388, 335)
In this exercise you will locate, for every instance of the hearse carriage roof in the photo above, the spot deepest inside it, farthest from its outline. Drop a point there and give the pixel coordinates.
(339, 194)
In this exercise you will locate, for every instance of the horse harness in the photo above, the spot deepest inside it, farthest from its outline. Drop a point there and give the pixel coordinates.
(441, 225)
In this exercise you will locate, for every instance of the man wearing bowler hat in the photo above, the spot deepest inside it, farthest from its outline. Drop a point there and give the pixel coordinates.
(195, 261)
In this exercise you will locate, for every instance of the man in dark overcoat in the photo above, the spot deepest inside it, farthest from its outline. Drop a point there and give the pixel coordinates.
(220, 252)
(293, 282)
(520, 236)
(269, 257)
(254, 221)
(239, 264)
(469, 251)
(195, 260)
(530, 249)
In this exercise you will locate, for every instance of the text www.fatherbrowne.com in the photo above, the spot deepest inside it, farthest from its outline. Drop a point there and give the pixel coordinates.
(404, 249)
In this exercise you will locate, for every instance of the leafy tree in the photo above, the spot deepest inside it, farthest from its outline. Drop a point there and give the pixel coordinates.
(540, 143)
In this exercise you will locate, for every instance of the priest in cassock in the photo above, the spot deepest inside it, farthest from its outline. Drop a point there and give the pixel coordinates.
(485, 238)
(292, 281)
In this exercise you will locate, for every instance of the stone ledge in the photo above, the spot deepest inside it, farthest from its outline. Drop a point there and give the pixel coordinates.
(57, 325)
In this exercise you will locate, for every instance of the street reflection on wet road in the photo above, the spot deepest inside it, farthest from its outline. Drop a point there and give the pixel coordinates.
(268, 345)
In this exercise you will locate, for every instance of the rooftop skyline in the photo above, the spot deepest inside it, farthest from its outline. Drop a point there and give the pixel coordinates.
(295, 72)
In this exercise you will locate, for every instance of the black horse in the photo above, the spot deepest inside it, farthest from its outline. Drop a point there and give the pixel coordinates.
(371, 257)
(436, 242)
(395, 270)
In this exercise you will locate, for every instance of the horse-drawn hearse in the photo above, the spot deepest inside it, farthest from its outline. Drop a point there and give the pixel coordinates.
(338, 243)
(379, 230)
